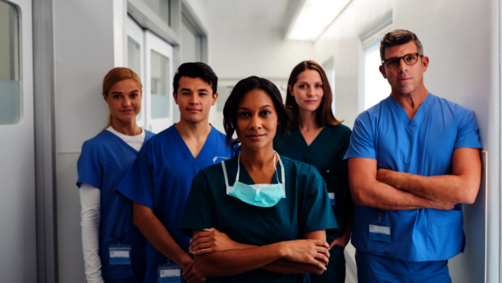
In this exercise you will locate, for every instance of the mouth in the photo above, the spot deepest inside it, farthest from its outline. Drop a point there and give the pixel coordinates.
(310, 101)
(404, 79)
(255, 136)
(193, 110)
(128, 111)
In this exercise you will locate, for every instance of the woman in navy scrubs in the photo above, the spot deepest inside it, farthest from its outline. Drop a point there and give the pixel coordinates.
(113, 247)
(268, 213)
(317, 138)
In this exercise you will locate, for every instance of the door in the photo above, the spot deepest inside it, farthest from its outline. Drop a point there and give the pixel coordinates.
(158, 87)
(17, 154)
(135, 56)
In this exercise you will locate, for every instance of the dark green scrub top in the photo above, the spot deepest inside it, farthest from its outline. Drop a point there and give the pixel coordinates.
(326, 154)
(305, 209)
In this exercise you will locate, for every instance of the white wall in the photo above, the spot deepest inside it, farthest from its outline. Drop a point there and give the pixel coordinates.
(84, 53)
(461, 40)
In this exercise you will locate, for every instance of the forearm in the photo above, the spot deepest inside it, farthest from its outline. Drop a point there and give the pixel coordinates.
(284, 266)
(90, 199)
(159, 237)
(233, 262)
(447, 188)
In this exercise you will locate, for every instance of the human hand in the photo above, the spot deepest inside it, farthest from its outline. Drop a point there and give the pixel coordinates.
(313, 252)
(210, 240)
(341, 241)
(190, 274)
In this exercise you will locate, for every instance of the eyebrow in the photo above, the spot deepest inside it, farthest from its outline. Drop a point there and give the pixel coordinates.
(200, 89)
(244, 108)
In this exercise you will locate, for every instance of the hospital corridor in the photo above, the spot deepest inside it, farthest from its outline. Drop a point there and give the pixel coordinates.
(156, 141)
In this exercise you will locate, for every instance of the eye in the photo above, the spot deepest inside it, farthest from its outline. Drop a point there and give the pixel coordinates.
(202, 93)
(243, 114)
(133, 95)
(319, 86)
(302, 86)
(265, 112)
(116, 96)
(185, 93)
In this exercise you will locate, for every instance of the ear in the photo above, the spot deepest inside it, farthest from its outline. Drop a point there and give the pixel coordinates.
(215, 97)
(290, 90)
(175, 97)
(104, 96)
(382, 71)
(425, 63)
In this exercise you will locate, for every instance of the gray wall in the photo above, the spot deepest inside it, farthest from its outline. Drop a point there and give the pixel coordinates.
(84, 53)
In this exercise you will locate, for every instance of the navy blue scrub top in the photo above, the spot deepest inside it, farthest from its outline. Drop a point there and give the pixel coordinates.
(305, 209)
(160, 179)
(325, 153)
(422, 146)
(103, 162)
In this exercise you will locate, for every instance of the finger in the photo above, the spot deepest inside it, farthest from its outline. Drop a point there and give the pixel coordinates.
(319, 264)
(187, 270)
(189, 276)
(201, 246)
(203, 251)
(323, 251)
(333, 244)
(200, 240)
(322, 258)
(209, 230)
(201, 234)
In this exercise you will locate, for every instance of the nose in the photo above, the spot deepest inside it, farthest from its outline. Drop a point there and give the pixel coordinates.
(194, 99)
(126, 102)
(311, 90)
(402, 66)
(255, 123)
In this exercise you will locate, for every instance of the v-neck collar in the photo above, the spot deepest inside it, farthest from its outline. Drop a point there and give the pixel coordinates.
(187, 151)
(302, 138)
(411, 124)
(123, 142)
(246, 178)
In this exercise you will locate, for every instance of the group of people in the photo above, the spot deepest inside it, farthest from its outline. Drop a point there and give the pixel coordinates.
(280, 194)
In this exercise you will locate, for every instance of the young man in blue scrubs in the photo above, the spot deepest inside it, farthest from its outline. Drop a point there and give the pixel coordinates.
(413, 160)
(160, 180)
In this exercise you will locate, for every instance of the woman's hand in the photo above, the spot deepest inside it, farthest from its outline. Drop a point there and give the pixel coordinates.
(313, 252)
(341, 241)
(211, 240)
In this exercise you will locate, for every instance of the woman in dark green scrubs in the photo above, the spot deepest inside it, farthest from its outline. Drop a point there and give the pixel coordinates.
(268, 214)
(317, 138)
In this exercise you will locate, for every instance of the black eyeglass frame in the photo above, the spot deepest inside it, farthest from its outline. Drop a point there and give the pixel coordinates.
(384, 62)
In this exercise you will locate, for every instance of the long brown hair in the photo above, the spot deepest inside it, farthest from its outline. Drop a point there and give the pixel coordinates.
(114, 76)
(324, 114)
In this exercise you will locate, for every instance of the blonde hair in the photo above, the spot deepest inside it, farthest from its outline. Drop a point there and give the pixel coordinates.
(114, 76)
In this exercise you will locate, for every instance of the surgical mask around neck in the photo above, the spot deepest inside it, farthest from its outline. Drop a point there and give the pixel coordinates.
(262, 195)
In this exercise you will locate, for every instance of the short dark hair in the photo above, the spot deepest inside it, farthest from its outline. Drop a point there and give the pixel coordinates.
(195, 70)
(399, 37)
(241, 88)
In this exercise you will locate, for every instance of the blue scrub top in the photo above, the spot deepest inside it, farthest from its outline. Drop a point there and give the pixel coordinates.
(305, 209)
(325, 153)
(103, 162)
(422, 146)
(160, 179)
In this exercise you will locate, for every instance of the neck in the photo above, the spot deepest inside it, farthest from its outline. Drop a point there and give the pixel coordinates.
(199, 130)
(411, 101)
(258, 160)
(307, 120)
(127, 128)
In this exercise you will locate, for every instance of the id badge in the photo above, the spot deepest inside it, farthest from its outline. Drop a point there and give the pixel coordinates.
(379, 232)
(120, 255)
(169, 272)
(331, 198)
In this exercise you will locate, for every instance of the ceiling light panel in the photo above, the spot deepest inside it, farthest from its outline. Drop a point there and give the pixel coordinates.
(314, 17)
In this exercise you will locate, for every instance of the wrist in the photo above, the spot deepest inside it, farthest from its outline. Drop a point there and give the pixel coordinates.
(185, 261)
(282, 249)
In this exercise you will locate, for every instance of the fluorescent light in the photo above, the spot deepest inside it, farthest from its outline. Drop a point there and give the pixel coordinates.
(314, 17)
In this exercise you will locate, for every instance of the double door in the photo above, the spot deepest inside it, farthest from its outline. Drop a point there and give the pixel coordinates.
(152, 59)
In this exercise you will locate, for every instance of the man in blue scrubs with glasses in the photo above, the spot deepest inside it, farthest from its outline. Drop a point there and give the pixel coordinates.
(413, 159)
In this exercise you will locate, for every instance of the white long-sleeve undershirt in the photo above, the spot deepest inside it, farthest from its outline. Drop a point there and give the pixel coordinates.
(90, 200)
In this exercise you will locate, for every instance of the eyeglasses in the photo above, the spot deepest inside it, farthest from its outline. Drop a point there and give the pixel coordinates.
(409, 59)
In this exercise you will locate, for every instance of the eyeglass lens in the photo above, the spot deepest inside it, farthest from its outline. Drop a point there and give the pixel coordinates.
(409, 59)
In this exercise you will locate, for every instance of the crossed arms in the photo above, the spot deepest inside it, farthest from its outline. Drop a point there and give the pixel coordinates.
(389, 190)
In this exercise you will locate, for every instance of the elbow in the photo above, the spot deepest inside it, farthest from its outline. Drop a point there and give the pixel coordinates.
(470, 195)
(358, 196)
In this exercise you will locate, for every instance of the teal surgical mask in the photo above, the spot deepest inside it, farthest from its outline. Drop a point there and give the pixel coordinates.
(263, 195)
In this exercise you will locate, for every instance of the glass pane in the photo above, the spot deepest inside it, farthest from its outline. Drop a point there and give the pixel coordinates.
(134, 60)
(191, 43)
(159, 84)
(10, 105)
(161, 8)
(376, 88)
